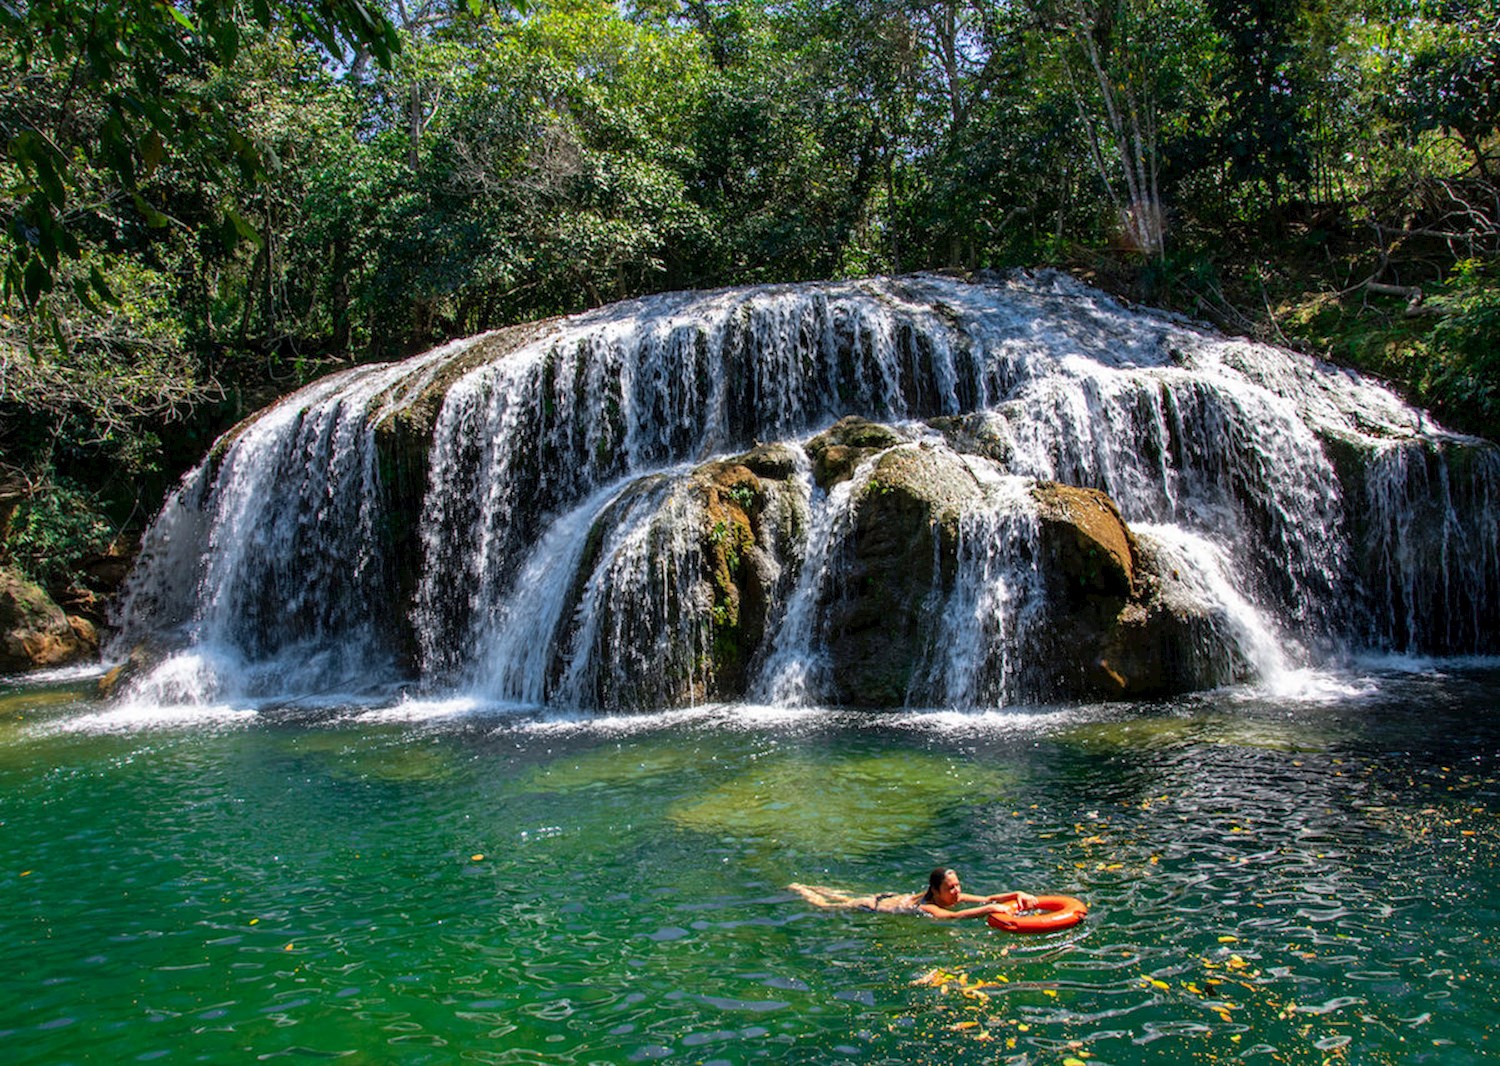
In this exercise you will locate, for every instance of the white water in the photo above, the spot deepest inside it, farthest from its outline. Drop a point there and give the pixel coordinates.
(271, 570)
(794, 672)
(984, 642)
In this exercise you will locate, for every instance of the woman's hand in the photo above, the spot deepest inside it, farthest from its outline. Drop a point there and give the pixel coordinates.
(1019, 900)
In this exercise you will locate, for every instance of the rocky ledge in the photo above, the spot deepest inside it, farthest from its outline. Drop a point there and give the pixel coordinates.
(34, 631)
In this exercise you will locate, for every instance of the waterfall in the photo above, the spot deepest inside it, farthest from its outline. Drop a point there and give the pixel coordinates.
(1434, 534)
(527, 515)
(793, 674)
(267, 560)
(985, 636)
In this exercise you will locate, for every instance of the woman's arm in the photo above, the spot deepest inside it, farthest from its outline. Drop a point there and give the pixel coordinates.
(932, 910)
(1020, 899)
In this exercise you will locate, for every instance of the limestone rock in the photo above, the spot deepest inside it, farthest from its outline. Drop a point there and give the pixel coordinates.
(34, 632)
(902, 544)
(839, 449)
(1091, 552)
(974, 434)
(1120, 623)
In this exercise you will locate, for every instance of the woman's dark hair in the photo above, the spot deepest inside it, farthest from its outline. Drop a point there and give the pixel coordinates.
(935, 881)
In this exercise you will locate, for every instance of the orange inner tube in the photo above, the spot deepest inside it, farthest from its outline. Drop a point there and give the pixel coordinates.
(1050, 912)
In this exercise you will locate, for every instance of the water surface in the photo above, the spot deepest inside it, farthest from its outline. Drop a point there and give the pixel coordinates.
(1303, 877)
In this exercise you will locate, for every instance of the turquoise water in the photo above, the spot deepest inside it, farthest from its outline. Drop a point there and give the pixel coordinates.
(1297, 879)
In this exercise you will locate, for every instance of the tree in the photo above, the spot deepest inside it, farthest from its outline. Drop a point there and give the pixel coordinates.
(116, 87)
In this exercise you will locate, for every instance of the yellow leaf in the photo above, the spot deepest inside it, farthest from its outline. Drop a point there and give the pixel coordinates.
(1050, 992)
(476, 858)
(1228, 939)
(254, 921)
(288, 947)
(1070, 1061)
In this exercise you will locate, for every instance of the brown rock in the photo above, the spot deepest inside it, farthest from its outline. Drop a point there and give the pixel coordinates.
(839, 449)
(34, 632)
(1091, 548)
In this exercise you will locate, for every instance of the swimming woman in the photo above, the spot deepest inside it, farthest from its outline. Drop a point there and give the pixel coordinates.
(943, 893)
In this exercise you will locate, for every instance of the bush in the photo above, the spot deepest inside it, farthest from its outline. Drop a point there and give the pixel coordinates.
(1463, 376)
(55, 528)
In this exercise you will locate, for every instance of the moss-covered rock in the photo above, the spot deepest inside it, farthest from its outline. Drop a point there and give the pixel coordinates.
(34, 631)
(1090, 551)
(733, 500)
(839, 449)
(901, 549)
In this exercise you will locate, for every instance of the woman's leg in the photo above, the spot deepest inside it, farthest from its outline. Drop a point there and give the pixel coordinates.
(829, 898)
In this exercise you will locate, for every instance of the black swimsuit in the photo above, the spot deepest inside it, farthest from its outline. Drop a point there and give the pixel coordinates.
(881, 897)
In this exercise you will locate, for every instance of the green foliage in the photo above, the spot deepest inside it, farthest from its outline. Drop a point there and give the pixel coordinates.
(115, 89)
(1445, 359)
(1463, 372)
(744, 496)
(54, 528)
(209, 202)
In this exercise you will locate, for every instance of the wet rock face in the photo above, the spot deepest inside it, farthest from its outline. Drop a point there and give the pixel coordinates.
(1425, 528)
(1113, 627)
(838, 450)
(1162, 642)
(739, 571)
(34, 632)
(880, 616)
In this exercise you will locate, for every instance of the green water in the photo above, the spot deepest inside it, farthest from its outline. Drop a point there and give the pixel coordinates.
(1270, 880)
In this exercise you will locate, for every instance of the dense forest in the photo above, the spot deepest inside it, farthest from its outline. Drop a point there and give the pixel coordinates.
(209, 202)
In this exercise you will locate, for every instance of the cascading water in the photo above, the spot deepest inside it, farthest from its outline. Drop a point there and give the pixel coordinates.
(792, 674)
(595, 520)
(985, 638)
(268, 562)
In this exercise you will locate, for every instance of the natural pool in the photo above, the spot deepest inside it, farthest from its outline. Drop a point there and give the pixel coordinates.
(1296, 878)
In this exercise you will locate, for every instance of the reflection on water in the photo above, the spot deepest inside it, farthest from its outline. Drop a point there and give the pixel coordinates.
(1269, 879)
